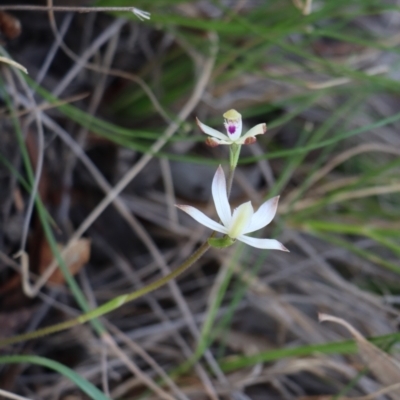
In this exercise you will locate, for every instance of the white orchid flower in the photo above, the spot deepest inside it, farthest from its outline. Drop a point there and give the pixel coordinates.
(243, 220)
(233, 125)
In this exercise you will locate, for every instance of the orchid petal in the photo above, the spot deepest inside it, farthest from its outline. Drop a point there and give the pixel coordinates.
(211, 131)
(262, 243)
(263, 216)
(235, 136)
(220, 197)
(240, 220)
(213, 142)
(202, 218)
(225, 141)
(259, 129)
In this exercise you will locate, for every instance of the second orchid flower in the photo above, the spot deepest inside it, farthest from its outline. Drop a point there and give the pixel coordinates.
(233, 126)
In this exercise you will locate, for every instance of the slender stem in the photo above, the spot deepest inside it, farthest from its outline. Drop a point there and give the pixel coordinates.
(66, 9)
(230, 181)
(111, 305)
(234, 152)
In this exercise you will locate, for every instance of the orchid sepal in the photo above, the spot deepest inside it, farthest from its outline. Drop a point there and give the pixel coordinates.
(250, 140)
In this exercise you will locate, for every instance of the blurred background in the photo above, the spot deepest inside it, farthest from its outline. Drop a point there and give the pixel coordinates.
(102, 133)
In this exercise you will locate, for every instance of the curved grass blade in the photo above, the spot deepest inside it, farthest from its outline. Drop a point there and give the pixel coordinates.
(82, 383)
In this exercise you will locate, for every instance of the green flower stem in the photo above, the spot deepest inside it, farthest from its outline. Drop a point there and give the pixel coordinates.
(112, 304)
(229, 181)
(234, 152)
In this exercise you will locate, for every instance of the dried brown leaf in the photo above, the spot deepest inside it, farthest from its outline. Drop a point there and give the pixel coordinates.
(75, 258)
(385, 368)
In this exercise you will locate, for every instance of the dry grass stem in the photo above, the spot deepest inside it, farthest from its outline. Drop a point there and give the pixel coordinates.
(13, 64)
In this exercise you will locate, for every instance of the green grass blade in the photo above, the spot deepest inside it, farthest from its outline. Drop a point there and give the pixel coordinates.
(79, 381)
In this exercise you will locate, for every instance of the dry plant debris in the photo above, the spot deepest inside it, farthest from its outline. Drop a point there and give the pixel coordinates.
(106, 120)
